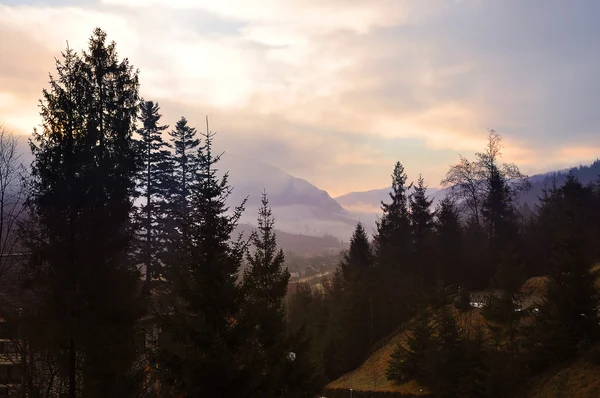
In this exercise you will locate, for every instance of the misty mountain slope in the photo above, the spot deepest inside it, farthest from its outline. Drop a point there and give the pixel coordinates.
(370, 201)
(300, 244)
(250, 177)
(585, 174)
(366, 206)
(298, 206)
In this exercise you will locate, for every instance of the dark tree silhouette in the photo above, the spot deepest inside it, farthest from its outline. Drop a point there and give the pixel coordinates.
(568, 316)
(153, 185)
(185, 160)
(204, 350)
(421, 220)
(449, 243)
(83, 181)
(393, 251)
(264, 287)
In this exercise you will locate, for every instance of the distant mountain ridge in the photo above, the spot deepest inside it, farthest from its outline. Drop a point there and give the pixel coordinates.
(301, 208)
(367, 204)
(360, 201)
(298, 206)
(250, 177)
(584, 173)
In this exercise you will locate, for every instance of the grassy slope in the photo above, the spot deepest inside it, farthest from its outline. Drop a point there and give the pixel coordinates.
(577, 380)
(370, 376)
(581, 379)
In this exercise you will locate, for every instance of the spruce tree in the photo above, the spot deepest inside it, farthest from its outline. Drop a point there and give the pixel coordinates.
(80, 235)
(394, 224)
(457, 362)
(449, 243)
(395, 268)
(302, 379)
(542, 232)
(350, 294)
(204, 347)
(152, 185)
(411, 358)
(307, 329)
(441, 356)
(336, 358)
(358, 269)
(568, 317)
(501, 184)
(421, 219)
(185, 163)
(264, 288)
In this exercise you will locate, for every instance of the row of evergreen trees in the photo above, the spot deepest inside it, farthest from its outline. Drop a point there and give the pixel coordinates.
(109, 199)
(476, 238)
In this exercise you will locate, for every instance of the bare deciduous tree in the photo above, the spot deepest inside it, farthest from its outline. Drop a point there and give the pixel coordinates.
(488, 162)
(470, 180)
(12, 197)
(465, 180)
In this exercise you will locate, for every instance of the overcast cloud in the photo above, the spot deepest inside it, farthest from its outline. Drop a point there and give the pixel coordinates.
(335, 91)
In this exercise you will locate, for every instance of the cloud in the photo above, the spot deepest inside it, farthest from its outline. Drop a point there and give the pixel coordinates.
(335, 91)
(28, 53)
(573, 155)
(315, 16)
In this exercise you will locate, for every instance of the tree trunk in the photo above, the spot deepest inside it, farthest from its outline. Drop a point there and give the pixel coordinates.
(72, 364)
(371, 316)
(148, 221)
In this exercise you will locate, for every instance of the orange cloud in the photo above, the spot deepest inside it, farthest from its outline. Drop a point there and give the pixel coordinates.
(575, 154)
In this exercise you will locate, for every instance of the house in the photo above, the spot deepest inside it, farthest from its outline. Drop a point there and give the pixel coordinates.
(12, 300)
(10, 368)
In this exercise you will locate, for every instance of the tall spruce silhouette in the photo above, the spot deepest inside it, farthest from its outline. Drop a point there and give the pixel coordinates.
(449, 243)
(358, 271)
(82, 184)
(421, 220)
(264, 287)
(153, 185)
(204, 346)
(393, 251)
(185, 163)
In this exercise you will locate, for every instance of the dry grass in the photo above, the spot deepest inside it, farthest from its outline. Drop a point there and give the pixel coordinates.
(578, 380)
(370, 376)
(596, 269)
(535, 286)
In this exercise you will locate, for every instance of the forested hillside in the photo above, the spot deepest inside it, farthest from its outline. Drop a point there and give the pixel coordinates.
(402, 302)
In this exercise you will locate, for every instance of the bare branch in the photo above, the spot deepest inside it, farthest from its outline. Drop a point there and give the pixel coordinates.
(12, 195)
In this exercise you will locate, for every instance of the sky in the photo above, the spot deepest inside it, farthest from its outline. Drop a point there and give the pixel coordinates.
(336, 91)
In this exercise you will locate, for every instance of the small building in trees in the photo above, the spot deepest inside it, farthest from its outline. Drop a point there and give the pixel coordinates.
(13, 298)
